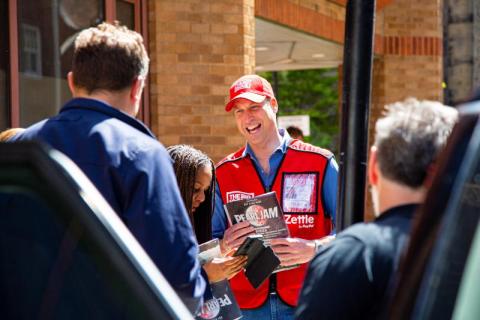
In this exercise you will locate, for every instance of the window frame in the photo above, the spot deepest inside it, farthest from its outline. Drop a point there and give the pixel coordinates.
(141, 26)
(36, 50)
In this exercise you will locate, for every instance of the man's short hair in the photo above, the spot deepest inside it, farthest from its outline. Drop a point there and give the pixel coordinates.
(409, 137)
(108, 57)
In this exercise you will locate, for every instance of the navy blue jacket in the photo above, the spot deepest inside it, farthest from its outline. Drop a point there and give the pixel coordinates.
(349, 278)
(134, 173)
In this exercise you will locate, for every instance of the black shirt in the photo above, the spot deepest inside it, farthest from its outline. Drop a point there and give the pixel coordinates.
(348, 278)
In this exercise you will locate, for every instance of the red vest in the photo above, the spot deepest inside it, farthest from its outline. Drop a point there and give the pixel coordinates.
(298, 185)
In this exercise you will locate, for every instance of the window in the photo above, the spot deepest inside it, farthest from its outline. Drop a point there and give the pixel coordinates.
(36, 45)
(47, 30)
(53, 268)
(31, 50)
(126, 13)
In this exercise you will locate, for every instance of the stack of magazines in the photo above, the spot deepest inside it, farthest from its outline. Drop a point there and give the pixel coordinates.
(223, 305)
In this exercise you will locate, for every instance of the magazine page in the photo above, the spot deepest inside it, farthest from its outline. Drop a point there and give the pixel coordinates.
(263, 212)
(209, 250)
(223, 306)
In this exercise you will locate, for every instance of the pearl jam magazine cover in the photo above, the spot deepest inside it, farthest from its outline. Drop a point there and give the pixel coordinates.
(263, 212)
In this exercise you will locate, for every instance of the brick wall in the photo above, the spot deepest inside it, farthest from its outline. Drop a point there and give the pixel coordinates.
(411, 64)
(197, 49)
(411, 61)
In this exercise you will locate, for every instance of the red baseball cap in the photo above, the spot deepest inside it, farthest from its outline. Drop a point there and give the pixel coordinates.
(251, 87)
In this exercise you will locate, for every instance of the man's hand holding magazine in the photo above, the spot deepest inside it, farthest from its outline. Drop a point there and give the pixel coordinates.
(294, 251)
(235, 235)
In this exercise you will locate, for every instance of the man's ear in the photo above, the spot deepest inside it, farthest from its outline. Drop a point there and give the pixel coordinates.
(373, 166)
(71, 84)
(137, 88)
(274, 105)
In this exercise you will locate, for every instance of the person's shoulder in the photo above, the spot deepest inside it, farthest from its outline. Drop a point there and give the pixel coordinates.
(346, 250)
(362, 231)
(122, 136)
(123, 142)
(371, 235)
(232, 157)
(301, 146)
(30, 133)
(347, 239)
(133, 130)
(147, 149)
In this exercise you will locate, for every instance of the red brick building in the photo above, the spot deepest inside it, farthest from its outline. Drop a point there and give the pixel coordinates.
(199, 47)
(209, 44)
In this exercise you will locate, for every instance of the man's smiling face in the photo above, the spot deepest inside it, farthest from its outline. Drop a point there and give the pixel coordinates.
(256, 121)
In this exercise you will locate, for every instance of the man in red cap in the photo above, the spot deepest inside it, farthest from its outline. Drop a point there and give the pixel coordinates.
(304, 178)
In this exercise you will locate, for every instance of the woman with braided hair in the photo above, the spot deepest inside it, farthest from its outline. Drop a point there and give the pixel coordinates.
(195, 174)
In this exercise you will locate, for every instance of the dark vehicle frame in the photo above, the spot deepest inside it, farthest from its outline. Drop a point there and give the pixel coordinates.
(64, 252)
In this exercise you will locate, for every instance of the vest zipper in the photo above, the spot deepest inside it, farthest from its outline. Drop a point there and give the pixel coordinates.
(273, 284)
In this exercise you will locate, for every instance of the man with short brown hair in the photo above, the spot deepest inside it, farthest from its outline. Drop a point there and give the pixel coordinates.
(97, 129)
(109, 57)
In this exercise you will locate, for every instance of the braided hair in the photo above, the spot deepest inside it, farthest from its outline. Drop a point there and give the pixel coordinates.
(187, 160)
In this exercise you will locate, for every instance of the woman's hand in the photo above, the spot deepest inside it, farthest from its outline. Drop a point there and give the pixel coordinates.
(224, 268)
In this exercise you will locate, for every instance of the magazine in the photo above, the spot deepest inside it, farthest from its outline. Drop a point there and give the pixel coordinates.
(223, 306)
(265, 214)
(208, 251)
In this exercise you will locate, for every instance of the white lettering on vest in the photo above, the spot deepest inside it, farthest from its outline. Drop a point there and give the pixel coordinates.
(303, 221)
